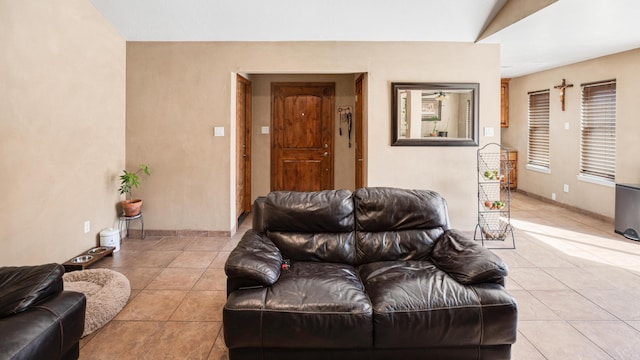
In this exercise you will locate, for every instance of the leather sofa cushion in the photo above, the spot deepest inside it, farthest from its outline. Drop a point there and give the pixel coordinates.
(397, 224)
(324, 247)
(255, 258)
(313, 305)
(25, 286)
(417, 305)
(311, 226)
(328, 211)
(395, 245)
(390, 209)
(466, 260)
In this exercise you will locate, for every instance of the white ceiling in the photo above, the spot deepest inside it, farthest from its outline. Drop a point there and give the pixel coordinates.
(564, 32)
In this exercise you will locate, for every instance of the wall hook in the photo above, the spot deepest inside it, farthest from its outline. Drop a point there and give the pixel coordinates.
(346, 109)
(348, 118)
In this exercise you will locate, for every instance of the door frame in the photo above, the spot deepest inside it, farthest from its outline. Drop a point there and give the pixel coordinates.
(359, 131)
(247, 136)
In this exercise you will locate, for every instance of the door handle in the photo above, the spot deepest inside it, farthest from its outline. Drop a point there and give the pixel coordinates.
(325, 154)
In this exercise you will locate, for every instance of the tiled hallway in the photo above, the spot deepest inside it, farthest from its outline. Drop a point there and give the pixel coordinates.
(577, 285)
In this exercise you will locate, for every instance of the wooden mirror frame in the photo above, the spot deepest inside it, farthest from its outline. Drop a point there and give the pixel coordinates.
(473, 140)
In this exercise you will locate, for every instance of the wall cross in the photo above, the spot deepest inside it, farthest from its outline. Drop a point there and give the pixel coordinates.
(562, 87)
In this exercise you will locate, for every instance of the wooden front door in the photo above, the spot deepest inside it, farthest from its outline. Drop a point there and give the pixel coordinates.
(359, 123)
(302, 136)
(243, 146)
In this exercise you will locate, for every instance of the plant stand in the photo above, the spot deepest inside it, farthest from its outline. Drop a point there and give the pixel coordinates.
(494, 196)
(126, 219)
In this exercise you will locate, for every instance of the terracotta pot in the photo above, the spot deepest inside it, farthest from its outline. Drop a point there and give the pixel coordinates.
(131, 207)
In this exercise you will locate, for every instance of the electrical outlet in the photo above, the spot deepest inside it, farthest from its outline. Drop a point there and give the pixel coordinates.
(87, 226)
(553, 196)
(566, 188)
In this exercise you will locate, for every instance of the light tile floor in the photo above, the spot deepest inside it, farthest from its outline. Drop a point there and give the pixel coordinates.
(577, 284)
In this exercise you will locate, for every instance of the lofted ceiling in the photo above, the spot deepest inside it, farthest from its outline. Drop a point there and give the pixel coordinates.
(534, 35)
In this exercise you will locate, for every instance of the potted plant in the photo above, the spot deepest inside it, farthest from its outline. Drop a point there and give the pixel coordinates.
(434, 132)
(128, 181)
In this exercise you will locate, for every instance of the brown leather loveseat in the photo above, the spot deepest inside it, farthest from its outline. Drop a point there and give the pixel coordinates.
(370, 274)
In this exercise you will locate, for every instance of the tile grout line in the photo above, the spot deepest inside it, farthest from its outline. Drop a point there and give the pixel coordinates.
(532, 344)
(577, 293)
(591, 341)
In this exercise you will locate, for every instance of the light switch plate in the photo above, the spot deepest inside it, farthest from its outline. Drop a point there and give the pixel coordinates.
(218, 131)
(264, 130)
(488, 131)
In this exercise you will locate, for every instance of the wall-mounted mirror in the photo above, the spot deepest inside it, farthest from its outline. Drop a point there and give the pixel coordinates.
(434, 114)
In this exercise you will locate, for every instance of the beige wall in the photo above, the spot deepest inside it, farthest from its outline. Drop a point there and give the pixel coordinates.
(177, 93)
(565, 144)
(62, 120)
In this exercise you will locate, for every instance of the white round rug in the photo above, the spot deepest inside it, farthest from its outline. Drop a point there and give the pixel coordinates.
(107, 292)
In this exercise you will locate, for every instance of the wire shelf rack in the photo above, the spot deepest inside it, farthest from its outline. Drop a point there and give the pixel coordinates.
(494, 197)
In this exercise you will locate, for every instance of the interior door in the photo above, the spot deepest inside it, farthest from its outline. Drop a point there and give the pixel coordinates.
(243, 146)
(302, 136)
(359, 123)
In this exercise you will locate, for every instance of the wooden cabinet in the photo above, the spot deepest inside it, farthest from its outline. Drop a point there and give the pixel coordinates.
(504, 102)
(513, 165)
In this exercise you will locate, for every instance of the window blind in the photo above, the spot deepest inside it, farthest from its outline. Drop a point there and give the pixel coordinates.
(538, 147)
(598, 130)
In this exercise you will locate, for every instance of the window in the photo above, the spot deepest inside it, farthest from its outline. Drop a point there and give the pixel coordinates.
(598, 130)
(538, 147)
(430, 108)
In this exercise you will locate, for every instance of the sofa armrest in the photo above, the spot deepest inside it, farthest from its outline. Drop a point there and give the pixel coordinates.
(49, 330)
(467, 261)
(25, 286)
(255, 259)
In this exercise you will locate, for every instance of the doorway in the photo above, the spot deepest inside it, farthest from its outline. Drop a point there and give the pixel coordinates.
(302, 138)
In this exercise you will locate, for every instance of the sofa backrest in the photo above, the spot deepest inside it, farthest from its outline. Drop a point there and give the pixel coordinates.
(370, 224)
(257, 212)
(397, 224)
(311, 226)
